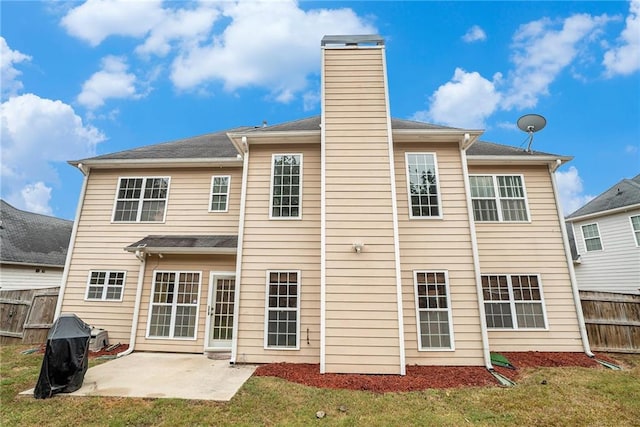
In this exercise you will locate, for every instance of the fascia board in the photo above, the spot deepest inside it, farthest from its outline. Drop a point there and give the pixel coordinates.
(604, 213)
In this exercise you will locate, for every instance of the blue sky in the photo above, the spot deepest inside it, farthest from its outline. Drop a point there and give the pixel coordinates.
(87, 78)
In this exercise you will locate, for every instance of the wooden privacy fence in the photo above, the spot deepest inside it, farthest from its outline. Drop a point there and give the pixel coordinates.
(26, 315)
(612, 321)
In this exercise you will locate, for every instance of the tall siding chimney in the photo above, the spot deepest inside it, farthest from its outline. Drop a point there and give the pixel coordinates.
(360, 275)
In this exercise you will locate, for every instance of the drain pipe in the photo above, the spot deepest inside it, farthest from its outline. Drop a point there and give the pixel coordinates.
(476, 262)
(572, 273)
(136, 308)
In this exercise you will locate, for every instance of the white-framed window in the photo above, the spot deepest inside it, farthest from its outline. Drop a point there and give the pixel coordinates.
(591, 237)
(282, 323)
(105, 285)
(141, 199)
(173, 310)
(219, 200)
(635, 226)
(499, 198)
(423, 185)
(513, 301)
(433, 310)
(286, 187)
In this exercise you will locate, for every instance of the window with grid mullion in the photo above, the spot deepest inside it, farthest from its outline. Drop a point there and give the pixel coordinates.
(433, 310)
(141, 200)
(282, 309)
(513, 301)
(635, 226)
(105, 285)
(424, 199)
(498, 198)
(174, 305)
(286, 180)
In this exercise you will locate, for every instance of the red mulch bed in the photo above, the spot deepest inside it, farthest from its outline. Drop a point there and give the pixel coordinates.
(423, 377)
(93, 354)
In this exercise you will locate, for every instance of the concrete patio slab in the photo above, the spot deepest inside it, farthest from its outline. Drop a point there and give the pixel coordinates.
(164, 375)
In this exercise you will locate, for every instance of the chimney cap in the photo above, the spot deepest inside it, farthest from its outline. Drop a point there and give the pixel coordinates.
(353, 40)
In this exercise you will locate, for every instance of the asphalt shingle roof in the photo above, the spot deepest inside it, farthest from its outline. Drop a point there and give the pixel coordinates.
(218, 144)
(624, 193)
(30, 238)
(186, 241)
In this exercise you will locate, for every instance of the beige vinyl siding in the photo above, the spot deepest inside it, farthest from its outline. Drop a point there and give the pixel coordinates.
(532, 248)
(100, 244)
(280, 245)
(616, 268)
(361, 307)
(439, 244)
(204, 264)
(17, 277)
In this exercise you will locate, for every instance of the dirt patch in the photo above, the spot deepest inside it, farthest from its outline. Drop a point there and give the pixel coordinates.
(423, 377)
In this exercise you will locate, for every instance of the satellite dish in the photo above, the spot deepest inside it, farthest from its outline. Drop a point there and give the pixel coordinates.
(531, 123)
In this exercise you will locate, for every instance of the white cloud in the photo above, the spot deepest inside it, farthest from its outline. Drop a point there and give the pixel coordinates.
(113, 81)
(631, 149)
(474, 34)
(95, 20)
(35, 198)
(187, 27)
(9, 74)
(542, 51)
(266, 44)
(571, 191)
(36, 133)
(625, 58)
(273, 45)
(465, 101)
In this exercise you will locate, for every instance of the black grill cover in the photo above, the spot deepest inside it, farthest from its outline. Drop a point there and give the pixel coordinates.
(66, 357)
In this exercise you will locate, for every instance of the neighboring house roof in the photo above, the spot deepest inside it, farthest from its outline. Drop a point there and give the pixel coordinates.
(34, 239)
(186, 244)
(218, 145)
(624, 193)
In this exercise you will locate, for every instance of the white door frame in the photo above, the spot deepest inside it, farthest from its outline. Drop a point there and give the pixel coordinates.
(213, 276)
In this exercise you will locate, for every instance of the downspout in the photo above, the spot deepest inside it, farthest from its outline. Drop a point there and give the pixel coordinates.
(236, 296)
(323, 224)
(567, 253)
(476, 262)
(72, 240)
(136, 307)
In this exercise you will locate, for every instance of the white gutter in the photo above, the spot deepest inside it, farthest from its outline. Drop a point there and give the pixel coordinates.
(396, 234)
(153, 163)
(476, 264)
(72, 240)
(323, 224)
(236, 296)
(524, 158)
(572, 273)
(136, 307)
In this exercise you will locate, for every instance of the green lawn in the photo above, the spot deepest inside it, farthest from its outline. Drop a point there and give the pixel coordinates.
(571, 397)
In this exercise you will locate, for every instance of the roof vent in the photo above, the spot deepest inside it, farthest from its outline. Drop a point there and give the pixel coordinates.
(352, 40)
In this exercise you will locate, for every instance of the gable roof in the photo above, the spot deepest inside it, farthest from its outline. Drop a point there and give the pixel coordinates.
(33, 239)
(624, 193)
(218, 145)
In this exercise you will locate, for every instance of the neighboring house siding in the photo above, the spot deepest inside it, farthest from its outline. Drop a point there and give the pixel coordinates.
(100, 244)
(280, 245)
(615, 268)
(440, 244)
(532, 248)
(361, 309)
(17, 277)
(204, 264)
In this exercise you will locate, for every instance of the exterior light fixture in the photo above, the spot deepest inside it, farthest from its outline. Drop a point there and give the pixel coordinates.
(358, 247)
